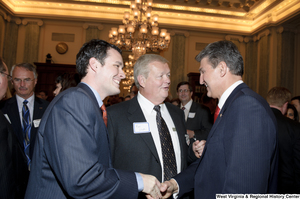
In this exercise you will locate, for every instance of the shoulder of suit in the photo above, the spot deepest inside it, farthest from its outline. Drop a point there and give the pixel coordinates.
(173, 107)
(41, 101)
(119, 106)
(7, 102)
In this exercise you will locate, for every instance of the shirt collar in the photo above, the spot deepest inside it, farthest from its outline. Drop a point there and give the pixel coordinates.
(228, 91)
(188, 105)
(20, 100)
(147, 105)
(98, 98)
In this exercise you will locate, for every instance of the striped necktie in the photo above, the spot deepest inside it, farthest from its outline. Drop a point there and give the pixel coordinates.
(26, 130)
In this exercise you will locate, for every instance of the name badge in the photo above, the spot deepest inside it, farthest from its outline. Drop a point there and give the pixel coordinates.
(36, 123)
(191, 115)
(141, 127)
(7, 118)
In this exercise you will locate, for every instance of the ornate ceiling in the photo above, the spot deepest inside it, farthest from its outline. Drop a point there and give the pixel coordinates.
(240, 16)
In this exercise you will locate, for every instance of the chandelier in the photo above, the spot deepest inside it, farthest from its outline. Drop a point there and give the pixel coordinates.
(128, 70)
(139, 32)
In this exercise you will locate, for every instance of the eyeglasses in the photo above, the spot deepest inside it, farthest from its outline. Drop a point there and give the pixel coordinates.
(26, 81)
(8, 76)
(183, 91)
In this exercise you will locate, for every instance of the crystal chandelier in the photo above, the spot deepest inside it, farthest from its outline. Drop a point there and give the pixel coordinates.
(128, 70)
(139, 32)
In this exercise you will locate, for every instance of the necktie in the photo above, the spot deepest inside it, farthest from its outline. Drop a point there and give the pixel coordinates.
(217, 111)
(169, 161)
(104, 114)
(26, 130)
(183, 108)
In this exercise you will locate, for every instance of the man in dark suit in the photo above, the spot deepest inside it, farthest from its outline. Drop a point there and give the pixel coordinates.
(72, 157)
(134, 134)
(24, 79)
(13, 163)
(288, 142)
(197, 116)
(240, 155)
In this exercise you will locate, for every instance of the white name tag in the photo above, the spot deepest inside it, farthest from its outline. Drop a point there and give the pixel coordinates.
(36, 123)
(7, 118)
(141, 127)
(191, 115)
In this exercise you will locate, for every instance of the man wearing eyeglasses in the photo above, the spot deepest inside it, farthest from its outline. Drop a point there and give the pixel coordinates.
(13, 165)
(24, 110)
(197, 116)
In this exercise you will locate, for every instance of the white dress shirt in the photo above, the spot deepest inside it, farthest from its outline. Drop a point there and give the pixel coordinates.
(150, 115)
(226, 94)
(187, 108)
(30, 106)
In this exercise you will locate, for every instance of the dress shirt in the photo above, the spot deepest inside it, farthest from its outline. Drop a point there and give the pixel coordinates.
(150, 115)
(226, 94)
(30, 106)
(187, 108)
(138, 176)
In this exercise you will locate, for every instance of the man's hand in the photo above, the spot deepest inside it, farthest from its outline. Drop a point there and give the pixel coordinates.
(190, 133)
(198, 147)
(168, 188)
(151, 186)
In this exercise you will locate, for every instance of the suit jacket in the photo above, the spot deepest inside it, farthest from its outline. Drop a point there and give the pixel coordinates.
(13, 163)
(240, 155)
(137, 152)
(10, 107)
(72, 156)
(201, 123)
(289, 154)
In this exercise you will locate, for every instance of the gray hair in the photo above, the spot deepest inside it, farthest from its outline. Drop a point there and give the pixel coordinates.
(141, 66)
(225, 51)
(27, 66)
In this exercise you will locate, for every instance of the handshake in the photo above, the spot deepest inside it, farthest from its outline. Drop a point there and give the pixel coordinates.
(156, 190)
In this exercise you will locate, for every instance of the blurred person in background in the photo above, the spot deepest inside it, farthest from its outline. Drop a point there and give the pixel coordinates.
(292, 112)
(64, 82)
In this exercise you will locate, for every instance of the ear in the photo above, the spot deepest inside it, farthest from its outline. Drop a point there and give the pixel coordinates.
(141, 80)
(93, 63)
(191, 93)
(223, 68)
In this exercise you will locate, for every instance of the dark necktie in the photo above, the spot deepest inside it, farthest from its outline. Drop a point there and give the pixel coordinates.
(104, 114)
(169, 161)
(217, 111)
(183, 108)
(26, 130)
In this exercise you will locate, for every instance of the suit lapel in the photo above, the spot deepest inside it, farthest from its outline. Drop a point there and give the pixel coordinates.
(177, 120)
(192, 110)
(37, 109)
(135, 114)
(227, 104)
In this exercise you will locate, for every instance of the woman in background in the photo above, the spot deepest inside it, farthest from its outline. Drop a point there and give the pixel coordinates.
(65, 81)
(292, 112)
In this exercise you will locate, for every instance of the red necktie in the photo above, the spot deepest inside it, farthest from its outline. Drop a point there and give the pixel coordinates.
(183, 108)
(104, 114)
(217, 111)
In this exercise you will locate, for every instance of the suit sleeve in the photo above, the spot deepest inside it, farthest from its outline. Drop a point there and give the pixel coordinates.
(7, 173)
(249, 142)
(77, 148)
